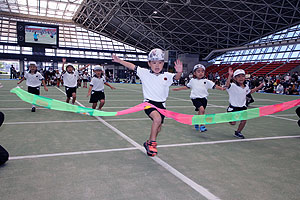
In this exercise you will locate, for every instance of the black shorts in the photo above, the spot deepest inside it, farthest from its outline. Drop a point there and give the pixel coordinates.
(158, 105)
(85, 80)
(235, 109)
(70, 91)
(198, 102)
(96, 96)
(34, 90)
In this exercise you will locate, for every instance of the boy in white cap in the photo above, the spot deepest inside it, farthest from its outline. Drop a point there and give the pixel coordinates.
(96, 89)
(155, 85)
(70, 77)
(199, 85)
(33, 81)
(238, 91)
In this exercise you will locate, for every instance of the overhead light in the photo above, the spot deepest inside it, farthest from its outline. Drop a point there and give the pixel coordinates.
(154, 12)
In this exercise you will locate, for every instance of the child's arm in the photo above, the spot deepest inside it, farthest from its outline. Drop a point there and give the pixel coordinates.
(82, 68)
(22, 79)
(257, 88)
(111, 87)
(44, 84)
(63, 65)
(178, 67)
(181, 88)
(230, 73)
(129, 65)
(90, 90)
(219, 87)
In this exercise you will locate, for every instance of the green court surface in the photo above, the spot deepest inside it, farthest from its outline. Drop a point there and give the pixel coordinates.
(58, 155)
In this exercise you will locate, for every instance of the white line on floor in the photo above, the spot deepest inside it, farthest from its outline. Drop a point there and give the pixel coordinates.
(159, 146)
(230, 141)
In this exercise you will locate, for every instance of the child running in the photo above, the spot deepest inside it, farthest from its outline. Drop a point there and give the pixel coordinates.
(70, 77)
(33, 81)
(96, 89)
(155, 85)
(238, 91)
(199, 85)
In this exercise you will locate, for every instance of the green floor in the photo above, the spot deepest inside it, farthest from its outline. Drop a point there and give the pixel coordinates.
(265, 169)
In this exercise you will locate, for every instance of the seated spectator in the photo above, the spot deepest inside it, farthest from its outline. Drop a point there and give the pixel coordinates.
(279, 89)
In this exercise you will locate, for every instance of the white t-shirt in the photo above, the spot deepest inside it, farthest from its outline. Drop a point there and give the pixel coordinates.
(199, 87)
(155, 87)
(237, 95)
(84, 76)
(33, 80)
(98, 83)
(70, 79)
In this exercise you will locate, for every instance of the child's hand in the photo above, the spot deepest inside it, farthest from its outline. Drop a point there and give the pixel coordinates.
(88, 94)
(115, 58)
(178, 66)
(113, 88)
(18, 82)
(46, 89)
(64, 60)
(230, 71)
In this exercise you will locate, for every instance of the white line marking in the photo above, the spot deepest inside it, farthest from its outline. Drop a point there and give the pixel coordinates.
(49, 122)
(70, 153)
(294, 120)
(160, 146)
(203, 191)
(229, 141)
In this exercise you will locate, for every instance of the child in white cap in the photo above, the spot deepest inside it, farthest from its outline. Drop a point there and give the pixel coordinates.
(199, 85)
(33, 81)
(238, 91)
(70, 77)
(155, 85)
(96, 89)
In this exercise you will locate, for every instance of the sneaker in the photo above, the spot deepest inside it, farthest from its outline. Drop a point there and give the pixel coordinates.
(33, 109)
(150, 147)
(238, 135)
(197, 127)
(203, 129)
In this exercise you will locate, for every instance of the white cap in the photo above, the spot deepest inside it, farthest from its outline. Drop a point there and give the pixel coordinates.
(198, 66)
(70, 64)
(238, 71)
(156, 54)
(98, 67)
(32, 63)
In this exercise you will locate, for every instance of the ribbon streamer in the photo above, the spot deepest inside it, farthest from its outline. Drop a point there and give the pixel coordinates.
(182, 118)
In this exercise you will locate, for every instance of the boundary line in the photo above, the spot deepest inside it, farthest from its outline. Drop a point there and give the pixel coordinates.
(160, 146)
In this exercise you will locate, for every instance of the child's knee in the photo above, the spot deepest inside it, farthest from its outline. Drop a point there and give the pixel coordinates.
(102, 101)
(74, 95)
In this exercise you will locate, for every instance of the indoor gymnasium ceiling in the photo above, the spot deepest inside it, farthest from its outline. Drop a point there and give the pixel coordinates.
(60, 9)
(188, 26)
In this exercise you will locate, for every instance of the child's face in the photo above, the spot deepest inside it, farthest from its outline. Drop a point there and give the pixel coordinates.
(240, 78)
(199, 73)
(156, 66)
(70, 69)
(98, 72)
(32, 68)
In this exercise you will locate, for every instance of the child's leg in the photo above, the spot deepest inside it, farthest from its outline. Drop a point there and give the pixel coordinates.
(94, 105)
(201, 112)
(73, 98)
(156, 125)
(68, 99)
(102, 102)
(241, 125)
